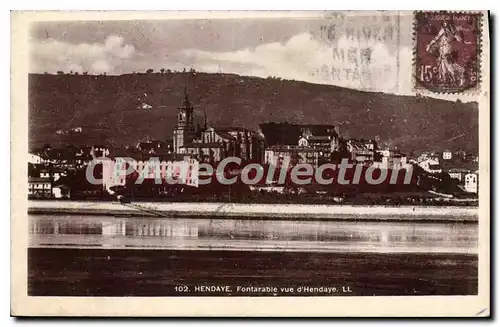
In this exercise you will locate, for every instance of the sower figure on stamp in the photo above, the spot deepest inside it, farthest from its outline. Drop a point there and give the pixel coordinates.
(447, 66)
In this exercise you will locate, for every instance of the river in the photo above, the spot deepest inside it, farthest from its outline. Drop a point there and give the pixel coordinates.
(106, 256)
(251, 235)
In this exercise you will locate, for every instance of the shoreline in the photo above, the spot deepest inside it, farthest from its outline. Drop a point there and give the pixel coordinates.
(258, 211)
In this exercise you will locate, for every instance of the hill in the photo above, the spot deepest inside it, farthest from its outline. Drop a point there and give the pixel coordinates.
(109, 109)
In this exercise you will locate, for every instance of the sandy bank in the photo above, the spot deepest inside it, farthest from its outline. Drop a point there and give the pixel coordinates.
(257, 211)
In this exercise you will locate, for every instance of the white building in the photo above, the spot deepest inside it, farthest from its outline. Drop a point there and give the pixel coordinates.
(447, 155)
(458, 173)
(471, 183)
(431, 166)
(184, 172)
(392, 159)
(34, 158)
(40, 187)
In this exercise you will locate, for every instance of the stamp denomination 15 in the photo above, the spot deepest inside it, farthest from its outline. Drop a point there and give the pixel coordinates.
(447, 51)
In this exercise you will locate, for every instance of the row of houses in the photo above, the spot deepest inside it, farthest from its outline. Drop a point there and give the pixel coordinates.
(459, 165)
(274, 143)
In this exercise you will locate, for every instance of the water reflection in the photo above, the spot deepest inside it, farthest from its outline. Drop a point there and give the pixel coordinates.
(234, 234)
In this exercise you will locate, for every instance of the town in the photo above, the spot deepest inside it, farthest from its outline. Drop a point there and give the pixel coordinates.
(449, 177)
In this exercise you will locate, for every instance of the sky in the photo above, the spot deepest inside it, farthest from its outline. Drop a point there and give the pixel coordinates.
(365, 51)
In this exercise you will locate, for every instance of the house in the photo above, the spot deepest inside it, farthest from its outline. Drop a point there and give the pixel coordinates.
(391, 159)
(431, 166)
(429, 155)
(276, 155)
(320, 137)
(471, 182)
(144, 105)
(51, 173)
(447, 155)
(289, 134)
(35, 158)
(458, 173)
(361, 151)
(167, 166)
(205, 152)
(459, 166)
(39, 187)
(98, 151)
(61, 191)
(82, 156)
(153, 146)
(70, 157)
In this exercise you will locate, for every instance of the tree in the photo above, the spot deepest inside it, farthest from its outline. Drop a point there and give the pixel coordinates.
(162, 70)
(60, 72)
(149, 71)
(169, 71)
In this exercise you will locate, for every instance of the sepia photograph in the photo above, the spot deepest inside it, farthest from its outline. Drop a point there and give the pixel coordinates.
(251, 156)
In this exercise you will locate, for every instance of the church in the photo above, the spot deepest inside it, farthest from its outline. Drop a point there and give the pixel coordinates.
(212, 144)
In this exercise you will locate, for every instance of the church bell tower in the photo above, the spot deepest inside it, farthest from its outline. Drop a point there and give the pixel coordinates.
(184, 131)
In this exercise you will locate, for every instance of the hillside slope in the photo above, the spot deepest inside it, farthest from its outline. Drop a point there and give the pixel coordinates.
(106, 107)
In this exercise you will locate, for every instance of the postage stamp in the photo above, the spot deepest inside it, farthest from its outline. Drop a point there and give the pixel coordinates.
(250, 164)
(447, 51)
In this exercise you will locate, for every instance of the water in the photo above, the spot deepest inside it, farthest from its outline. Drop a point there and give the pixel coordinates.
(104, 232)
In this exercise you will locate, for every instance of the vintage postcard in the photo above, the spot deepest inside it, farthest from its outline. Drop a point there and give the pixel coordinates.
(296, 164)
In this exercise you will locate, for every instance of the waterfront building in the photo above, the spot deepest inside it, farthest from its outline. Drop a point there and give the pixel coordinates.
(458, 174)
(276, 155)
(431, 166)
(35, 158)
(39, 187)
(471, 183)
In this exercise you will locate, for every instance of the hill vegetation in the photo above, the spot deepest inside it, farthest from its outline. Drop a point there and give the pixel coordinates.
(120, 110)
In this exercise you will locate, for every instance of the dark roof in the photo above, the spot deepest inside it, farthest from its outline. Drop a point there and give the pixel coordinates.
(161, 156)
(288, 134)
(293, 148)
(142, 156)
(151, 144)
(225, 135)
(203, 145)
(458, 163)
(320, 130)
(458, 170)
(46, 169)
(38, 180)
(231, 128)
(319, 138)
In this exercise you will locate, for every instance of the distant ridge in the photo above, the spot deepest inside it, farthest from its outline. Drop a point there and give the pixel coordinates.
(108, 108)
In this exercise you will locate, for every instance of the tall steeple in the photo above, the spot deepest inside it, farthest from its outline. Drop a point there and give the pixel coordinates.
(205, 117)
(185, 102)
(184, 131)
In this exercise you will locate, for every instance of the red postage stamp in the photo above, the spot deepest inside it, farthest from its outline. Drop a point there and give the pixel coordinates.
(447, 51)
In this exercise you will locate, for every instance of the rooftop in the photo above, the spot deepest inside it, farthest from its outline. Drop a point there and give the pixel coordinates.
(38, 180)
